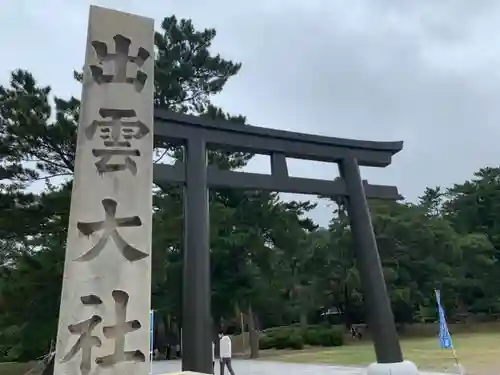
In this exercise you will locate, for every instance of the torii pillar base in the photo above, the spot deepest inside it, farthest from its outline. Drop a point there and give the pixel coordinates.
(399, 368)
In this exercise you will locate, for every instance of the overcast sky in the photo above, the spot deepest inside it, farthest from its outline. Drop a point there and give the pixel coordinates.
(426, 72)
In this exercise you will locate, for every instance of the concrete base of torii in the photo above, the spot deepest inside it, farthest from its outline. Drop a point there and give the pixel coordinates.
(400, 368)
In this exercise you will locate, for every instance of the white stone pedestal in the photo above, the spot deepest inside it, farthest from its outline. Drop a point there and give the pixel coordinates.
(400, 368)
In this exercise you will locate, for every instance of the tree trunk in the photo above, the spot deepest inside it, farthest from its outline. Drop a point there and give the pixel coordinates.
(347, 309)
(303, 319)
(160, 332)
(253, 334)
(303, 304)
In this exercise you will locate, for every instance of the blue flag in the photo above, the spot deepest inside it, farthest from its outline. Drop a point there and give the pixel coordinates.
(444, 335)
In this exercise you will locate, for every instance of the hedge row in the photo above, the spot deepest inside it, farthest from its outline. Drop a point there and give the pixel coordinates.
(296, 338)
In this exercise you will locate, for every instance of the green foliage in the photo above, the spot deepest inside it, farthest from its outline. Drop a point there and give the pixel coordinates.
(296, 337)
(286, 339)
(330, 337)
(312, 336)
(266, 342)
(186, 73)
(295, 341)
(282, 339)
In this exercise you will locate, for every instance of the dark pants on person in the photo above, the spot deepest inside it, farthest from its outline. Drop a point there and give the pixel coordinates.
(226, 362)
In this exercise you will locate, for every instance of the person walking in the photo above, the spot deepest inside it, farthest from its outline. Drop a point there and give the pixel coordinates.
(225, 353)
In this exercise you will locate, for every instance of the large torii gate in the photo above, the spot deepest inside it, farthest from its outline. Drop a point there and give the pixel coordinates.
(105, 302)
(197, 136)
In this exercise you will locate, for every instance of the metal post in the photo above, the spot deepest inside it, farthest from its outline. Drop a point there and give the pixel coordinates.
(196, 336)
(377, 304)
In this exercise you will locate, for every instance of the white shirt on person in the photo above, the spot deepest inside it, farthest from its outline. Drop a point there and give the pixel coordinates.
(213, 351)
(225, 347)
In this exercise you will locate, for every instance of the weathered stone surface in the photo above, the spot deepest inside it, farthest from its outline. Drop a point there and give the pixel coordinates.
(104, 314)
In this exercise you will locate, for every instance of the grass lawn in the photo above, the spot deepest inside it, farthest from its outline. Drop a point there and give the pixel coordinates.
(12, 368)
(479, 353)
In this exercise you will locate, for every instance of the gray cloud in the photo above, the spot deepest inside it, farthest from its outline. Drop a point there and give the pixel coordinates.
(425, 72)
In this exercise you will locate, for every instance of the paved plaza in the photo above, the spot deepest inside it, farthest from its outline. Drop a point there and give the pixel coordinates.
(252, 367)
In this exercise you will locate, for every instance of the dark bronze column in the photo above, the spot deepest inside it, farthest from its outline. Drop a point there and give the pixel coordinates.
(377, 304)
(196, 296)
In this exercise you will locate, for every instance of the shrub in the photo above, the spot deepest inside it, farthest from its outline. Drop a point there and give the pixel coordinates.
(266, 342)
(281, 331)
(337, 337)
(312, 337)
(281, 340)
(330, 337)
(296, 338)
(295, 341)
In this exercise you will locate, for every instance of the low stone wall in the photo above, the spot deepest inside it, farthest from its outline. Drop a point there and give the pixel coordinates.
(240, 343)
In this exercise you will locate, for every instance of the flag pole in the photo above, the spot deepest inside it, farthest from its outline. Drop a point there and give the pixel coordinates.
(457, 362)
(444, 334)
(151, 340)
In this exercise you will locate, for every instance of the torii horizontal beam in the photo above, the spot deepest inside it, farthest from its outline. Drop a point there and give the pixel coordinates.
(217, 178)
(230, 136)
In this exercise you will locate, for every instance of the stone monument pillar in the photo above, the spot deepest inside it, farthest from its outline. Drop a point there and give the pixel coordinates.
(105, 302)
